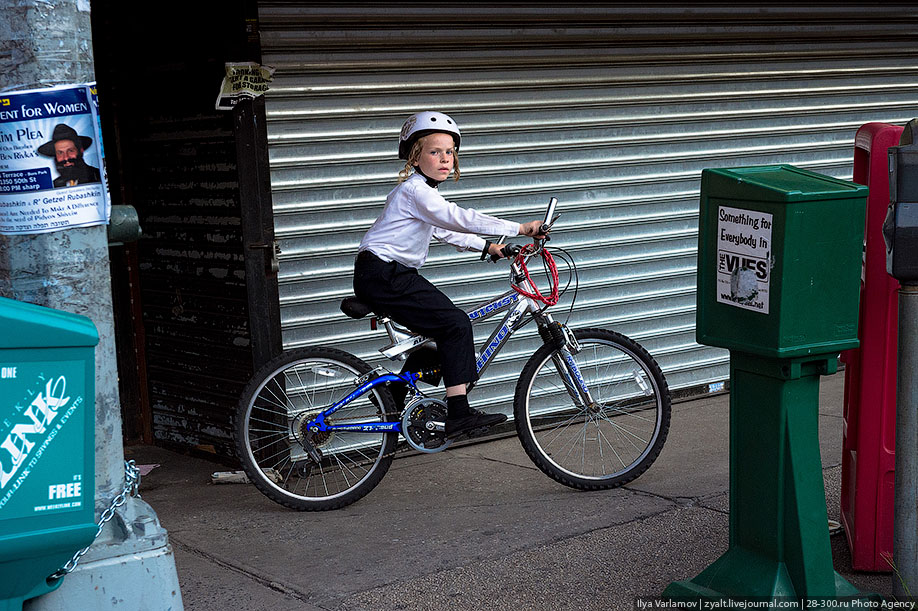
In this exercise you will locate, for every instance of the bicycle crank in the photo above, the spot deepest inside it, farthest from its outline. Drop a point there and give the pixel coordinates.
(423, 425)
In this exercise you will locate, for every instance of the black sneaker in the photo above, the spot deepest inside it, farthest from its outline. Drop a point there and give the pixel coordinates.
(473, 422)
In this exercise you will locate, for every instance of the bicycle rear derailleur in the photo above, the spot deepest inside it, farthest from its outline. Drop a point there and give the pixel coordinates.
(423, 425)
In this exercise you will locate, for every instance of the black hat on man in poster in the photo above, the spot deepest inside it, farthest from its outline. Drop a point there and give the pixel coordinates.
(66, 146)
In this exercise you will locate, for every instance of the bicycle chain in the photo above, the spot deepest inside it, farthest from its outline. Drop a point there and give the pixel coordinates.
(405, 448)
(400, 448)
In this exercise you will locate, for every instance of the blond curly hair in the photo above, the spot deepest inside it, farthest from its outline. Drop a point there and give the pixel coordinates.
(415, 154)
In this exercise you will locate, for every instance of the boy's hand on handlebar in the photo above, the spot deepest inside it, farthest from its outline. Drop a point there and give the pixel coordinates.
(495, 250)
(532, 229)
(500, 251)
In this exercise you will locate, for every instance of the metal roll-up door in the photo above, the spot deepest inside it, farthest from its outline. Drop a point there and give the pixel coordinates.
(614, 112)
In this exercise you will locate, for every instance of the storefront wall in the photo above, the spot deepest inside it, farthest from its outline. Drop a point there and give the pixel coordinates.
(613, 112)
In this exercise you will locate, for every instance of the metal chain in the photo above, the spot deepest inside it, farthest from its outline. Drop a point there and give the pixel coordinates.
(131, 488)
(400, 448)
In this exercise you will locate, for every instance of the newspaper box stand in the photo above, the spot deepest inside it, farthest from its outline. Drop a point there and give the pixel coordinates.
(47, 446)
(778, 277)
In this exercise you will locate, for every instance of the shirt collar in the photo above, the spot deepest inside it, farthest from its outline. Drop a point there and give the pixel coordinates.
(430, 181)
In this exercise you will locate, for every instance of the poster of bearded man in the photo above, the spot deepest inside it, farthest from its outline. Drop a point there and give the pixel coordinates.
(50, 160)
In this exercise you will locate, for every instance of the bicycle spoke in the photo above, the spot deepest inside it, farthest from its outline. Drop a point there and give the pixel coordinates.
(345, 470)
(622, 429)
(280, 402)
(611, 446)
(573, 439)
(601, 444)
(282, 451)
(270, 432)
(277, 460)
(560, 428)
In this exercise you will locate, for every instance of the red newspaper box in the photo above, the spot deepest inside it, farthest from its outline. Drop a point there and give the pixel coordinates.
(868, 448)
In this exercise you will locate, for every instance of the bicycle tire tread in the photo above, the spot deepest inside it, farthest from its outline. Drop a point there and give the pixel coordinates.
(531, 447)
(268, 371)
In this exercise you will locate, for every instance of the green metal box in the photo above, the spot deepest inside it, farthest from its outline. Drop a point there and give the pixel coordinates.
(780, 252)
(47, 445)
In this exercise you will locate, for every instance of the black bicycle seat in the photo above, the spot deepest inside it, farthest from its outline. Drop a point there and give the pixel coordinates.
(355, 308)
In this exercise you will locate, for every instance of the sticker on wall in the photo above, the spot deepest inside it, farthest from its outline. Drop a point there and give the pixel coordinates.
(49, 161)
(743, 258)
(243, 80)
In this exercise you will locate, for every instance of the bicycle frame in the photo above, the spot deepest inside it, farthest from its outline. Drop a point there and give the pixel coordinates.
(518, 306)
(315, 431)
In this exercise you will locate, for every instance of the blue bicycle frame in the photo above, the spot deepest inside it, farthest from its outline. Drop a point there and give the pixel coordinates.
(519, 306)
(489, 350)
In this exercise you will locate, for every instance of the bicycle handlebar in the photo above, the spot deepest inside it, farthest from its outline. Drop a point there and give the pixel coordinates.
(512, 250)
(550, 212)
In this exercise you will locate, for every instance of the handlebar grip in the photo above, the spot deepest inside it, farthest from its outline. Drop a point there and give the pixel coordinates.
(509, 251)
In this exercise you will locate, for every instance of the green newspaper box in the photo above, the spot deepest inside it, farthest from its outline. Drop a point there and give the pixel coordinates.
(784, 246)
(779, 270)
(47, 445)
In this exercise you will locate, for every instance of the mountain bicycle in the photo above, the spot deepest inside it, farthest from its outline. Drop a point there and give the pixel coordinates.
(317, 428)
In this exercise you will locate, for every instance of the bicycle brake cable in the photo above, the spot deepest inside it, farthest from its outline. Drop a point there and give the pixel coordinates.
(574, 276)
(552, 271)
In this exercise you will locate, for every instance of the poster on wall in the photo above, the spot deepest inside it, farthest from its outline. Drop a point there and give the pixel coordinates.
(50, 160)
(103, 168)
(243, 80)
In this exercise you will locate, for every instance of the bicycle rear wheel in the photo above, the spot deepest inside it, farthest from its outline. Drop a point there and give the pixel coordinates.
(603, 445)
(270, 428)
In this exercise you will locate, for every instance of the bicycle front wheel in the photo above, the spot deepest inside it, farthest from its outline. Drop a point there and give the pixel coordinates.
(605, 444)
(271, 423)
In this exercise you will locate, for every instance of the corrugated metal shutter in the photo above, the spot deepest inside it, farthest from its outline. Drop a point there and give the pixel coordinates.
(614, 112)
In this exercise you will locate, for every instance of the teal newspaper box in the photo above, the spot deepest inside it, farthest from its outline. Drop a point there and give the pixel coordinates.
(47, 445)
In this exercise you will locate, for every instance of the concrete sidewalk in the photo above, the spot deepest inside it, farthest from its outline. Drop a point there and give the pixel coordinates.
(475, 527)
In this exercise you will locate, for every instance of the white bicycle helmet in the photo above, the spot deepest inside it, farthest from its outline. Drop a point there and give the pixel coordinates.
(424, 123)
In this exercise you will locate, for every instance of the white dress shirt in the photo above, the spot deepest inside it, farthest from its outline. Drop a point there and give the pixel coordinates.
(415, 212)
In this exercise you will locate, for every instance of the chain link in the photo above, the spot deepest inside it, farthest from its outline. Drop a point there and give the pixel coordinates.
(131, 488)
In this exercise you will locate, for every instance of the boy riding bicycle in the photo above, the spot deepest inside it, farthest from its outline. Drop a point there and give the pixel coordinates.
(386, 274)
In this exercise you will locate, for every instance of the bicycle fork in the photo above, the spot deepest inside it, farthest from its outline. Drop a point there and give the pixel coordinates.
(565, 346)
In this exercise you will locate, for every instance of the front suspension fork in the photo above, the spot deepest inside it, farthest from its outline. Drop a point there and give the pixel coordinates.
(573, 380)
(565, 346)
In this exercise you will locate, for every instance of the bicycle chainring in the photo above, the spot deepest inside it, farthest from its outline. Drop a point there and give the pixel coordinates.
(423, 425)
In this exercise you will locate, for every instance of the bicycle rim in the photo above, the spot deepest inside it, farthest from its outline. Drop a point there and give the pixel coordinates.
(272, 427)
(606, 444)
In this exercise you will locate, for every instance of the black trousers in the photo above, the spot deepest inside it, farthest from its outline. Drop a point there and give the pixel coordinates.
(402, 294)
